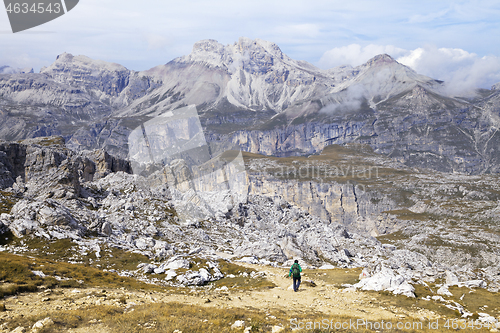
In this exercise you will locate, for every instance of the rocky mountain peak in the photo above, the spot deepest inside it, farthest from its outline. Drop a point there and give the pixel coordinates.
(94, 76)
(385, 77)
(496, 86)
(253, 56)
(68, 61)
(258, 45)
(208, 46)
(237, 87)
(64, 57)
(208, 52)
(381, 59)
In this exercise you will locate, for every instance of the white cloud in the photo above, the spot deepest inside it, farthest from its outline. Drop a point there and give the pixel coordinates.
(348, 100)
(355, 54)
(21, 61)
(462, 71)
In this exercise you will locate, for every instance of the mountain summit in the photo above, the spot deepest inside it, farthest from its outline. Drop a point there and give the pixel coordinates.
(252, 95)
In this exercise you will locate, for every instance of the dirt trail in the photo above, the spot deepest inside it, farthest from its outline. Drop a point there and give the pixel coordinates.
(324, 298)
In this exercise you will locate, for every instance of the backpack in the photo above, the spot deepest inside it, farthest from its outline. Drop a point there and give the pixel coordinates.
(295, 270)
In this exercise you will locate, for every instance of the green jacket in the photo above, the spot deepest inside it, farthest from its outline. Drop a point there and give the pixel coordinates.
(291, 268)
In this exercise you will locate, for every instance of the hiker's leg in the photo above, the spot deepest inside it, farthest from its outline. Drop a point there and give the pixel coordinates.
(295, 284)
(298, 283)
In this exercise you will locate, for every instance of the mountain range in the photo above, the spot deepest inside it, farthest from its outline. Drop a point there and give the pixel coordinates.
(185, 174)
(251, 95)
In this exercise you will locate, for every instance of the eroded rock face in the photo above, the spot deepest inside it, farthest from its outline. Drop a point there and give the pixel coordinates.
(99, 163)
(108, 82)
(12, 160)
(46, 163)
(342, 203)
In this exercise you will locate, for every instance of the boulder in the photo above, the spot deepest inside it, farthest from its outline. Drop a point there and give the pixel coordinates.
(159, 270)
(451, 279)
(249, 260)
(327, 266)
(148, 268)
(444, 291)
(170, 274)
(42, 324)
(473, 284)
(239, 324)
(198, 278)
(107, 228)
(486, 318)
(179, 263)
(21, 227)
(144, 243)
(365, 273)
(386, 279)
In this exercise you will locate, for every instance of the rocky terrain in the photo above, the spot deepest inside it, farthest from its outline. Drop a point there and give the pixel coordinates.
(313, 208)
(238, 156)
(325, 297)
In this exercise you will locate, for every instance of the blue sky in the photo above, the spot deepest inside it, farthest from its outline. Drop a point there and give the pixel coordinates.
(436, 38)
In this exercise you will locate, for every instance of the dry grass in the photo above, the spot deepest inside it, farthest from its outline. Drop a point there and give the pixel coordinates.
(17, 275)
(477, 300)
(336, 163)
(240, 282)
(335, 277)
(406, 214)
(16, 271)
(48, 141)
(160, 317)
(66, 249)
(167, 317)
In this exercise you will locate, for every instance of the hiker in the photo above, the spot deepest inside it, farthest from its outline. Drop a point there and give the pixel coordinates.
(295, 273)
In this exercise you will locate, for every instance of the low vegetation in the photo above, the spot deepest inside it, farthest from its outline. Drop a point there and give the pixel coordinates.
(16, 275)
(169, 317)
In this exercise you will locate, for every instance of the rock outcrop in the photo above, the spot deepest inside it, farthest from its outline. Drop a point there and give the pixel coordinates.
(386, 279)
(48, 159)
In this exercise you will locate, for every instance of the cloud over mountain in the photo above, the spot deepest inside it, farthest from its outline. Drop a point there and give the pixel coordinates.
(355, 54)
(461, 70)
